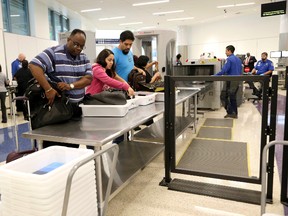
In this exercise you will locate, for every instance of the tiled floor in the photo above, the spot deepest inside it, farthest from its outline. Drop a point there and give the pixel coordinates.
(144, 196)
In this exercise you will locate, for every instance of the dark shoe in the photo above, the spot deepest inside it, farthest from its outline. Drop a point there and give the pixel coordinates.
(4, 121)
(255, 91)
(137, 128)
(234, 116)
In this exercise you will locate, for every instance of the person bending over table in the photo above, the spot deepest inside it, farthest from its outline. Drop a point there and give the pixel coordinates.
(68, 64)
(104, 75)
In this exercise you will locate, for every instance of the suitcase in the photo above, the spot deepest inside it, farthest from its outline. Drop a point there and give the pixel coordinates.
(18, 154)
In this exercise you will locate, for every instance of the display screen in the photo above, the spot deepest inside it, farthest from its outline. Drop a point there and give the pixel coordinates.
(275, 54)
(284, 54)
(273, 9)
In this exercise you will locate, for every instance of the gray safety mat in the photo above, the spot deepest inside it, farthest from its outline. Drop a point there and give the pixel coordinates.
(215, 133)
(217, 157)
(215, 122)
(213, 190)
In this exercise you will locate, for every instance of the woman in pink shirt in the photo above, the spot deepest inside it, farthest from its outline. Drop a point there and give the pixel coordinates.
(104, 75)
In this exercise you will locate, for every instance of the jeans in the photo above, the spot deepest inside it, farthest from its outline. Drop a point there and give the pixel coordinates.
(3, 106)
(228, 96)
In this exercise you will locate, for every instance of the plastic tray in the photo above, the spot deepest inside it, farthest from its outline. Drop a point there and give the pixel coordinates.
(160, 96)
(133, 103)
(145, 98)
(104, 110)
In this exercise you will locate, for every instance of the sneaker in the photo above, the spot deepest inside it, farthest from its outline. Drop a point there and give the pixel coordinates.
(234, 116)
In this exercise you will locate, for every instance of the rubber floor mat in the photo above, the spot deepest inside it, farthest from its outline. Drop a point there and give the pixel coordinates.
(216, 157)
(217, 122)
(215, 133)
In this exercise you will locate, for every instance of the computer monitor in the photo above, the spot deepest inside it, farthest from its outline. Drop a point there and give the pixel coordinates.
(284, 54)
(275, 54)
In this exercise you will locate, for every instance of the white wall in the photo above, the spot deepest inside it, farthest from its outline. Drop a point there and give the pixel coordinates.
(12, 44)
(30, 46)
(248, 34)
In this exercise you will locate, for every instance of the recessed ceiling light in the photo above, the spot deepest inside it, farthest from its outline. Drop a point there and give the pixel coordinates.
(177, 19)
(15, 15)
(168, 12)
(111, 18)
(91, 10)
(149, 3)
(225, 6)
(245, 4)
(237, 5)
(132, 23)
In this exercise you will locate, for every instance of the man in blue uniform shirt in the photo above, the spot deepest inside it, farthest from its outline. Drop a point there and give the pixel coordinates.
(262, 67)
(232, 67)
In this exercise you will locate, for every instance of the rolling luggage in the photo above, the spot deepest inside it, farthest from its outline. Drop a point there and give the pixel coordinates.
(18, 154)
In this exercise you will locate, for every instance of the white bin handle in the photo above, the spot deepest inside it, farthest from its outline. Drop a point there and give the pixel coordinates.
(115, 148)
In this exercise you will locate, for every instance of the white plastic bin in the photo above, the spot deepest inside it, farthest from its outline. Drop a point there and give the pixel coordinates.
(104, 110)
(133, 103)
(145, 98)
(25, 193)
(160, 96)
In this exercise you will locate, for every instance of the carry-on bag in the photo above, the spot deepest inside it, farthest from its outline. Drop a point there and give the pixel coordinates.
(18, 154)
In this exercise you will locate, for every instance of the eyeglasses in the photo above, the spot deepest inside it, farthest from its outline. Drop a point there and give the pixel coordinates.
(76, 45)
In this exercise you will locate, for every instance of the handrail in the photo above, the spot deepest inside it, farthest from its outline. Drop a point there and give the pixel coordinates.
(264, 170)
(83, 162)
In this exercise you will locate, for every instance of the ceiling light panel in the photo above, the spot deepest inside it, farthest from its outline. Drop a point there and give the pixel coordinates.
(111, 18)
(225, 6)
(245, 4)
(149, 3)
(179, 19)
(168, 12)
(132, 23)
(90, 10)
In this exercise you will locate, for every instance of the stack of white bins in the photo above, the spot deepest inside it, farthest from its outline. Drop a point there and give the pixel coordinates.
(35, 184)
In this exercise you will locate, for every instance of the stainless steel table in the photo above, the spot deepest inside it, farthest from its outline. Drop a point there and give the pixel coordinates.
(97, 131)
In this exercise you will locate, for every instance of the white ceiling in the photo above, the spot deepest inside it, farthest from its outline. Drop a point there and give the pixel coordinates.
(203, 11)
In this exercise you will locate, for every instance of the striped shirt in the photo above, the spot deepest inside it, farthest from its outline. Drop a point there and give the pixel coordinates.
(58, 63)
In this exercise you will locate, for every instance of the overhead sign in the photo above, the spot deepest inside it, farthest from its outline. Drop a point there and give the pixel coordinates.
(273, 9)
(107, 41)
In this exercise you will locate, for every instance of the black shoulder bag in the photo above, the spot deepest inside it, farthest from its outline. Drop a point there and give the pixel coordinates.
(41, 113)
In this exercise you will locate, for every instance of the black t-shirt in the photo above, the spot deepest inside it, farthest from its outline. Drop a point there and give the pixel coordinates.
(23, 75)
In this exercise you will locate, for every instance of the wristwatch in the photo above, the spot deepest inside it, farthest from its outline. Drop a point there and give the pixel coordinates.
(71, 86)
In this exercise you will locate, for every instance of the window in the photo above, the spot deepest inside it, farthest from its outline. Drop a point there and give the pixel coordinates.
(57, 23)
(15, 16)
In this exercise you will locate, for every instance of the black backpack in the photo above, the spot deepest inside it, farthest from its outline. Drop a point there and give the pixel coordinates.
(134, 78)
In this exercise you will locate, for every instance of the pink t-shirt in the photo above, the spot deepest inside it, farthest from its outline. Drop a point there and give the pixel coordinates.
(100, 79)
